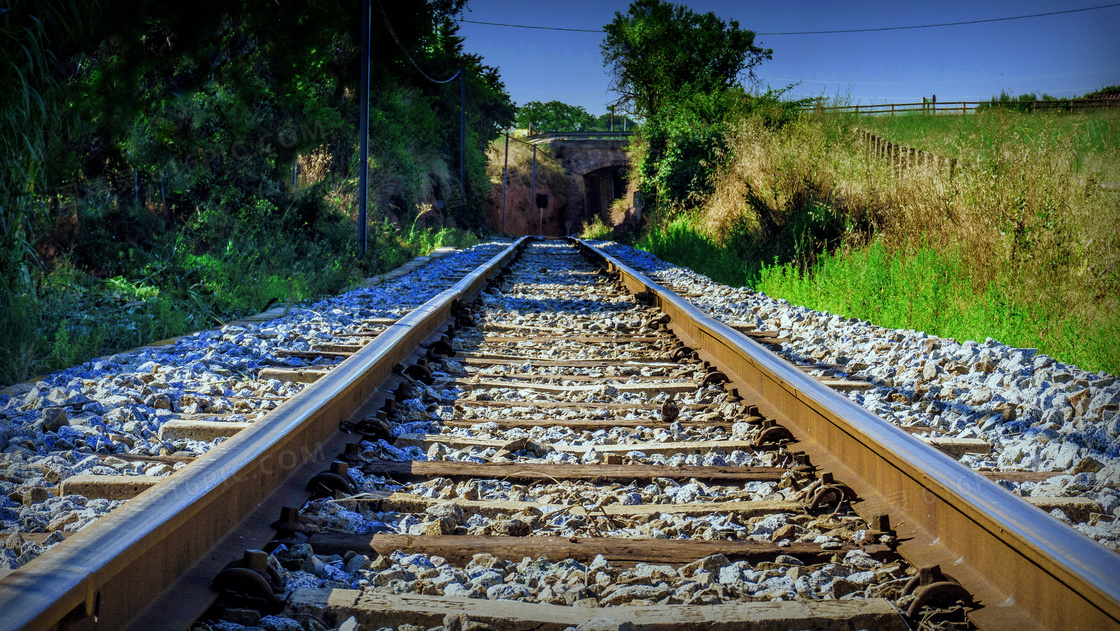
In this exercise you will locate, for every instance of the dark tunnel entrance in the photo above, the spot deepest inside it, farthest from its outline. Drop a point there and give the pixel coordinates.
(602, 187)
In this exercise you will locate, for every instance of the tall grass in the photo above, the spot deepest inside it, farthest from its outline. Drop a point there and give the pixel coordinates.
(1020, 244)
(933, 291)
(682, 241)
(1096, 134)
(71, 315)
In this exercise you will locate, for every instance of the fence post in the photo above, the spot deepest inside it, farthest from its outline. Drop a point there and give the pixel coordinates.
(892, 109)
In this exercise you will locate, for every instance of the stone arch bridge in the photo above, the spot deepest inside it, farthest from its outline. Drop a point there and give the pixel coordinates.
(597, 169)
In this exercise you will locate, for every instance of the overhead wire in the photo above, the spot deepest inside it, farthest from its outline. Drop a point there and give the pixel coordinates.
(834, 31)
(942, 24)
(409, 57)
(542, 152)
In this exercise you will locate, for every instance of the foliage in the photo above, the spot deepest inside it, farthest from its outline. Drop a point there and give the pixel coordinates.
(554, 116)
(681, 70)
(660, 53)
(1096, 134)
(959, 254)
(684, 242)
(685, 146)
(1105, 91)
(614, 121)
(557, 116)
(29, 116)
(1025, 102)
(597, 230)
(166, 153)
(931, 290)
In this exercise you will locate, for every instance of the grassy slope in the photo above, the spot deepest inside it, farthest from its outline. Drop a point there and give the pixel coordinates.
(1017, 248)
(1096, 134)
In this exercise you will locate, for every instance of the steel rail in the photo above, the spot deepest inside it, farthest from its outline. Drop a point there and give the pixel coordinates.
(1024, 568)
(107, 574)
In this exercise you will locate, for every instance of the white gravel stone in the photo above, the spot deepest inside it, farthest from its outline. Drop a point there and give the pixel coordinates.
(1037, 413)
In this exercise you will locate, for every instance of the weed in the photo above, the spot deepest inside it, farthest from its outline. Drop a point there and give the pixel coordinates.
(1019, 244)
(597, 230)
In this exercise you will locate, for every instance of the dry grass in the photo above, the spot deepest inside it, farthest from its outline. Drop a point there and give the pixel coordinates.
(1023, 213)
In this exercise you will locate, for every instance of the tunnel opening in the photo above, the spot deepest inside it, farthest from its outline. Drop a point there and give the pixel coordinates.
(602, 188)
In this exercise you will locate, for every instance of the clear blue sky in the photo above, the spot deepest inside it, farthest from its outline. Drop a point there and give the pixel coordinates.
(1063, 55)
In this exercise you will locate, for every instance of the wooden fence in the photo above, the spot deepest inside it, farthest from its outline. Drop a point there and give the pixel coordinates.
(933, 107)
(904, 158)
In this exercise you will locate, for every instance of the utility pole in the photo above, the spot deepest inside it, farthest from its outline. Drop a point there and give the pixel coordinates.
(462, 142)
(533, 193)
(363, 131)
(505, 180)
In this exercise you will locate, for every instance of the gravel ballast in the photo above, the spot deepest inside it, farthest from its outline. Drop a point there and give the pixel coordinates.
(87, 420)
(1038, 414)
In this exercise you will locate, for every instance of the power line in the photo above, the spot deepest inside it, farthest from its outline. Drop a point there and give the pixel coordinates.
(405, 51)
(927, 82)
(903, 28)
(853, 30)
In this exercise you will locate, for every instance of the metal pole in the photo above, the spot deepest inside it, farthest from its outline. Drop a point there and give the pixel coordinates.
(505, 179)
(363, 132)
(533, 193)
(462, 141)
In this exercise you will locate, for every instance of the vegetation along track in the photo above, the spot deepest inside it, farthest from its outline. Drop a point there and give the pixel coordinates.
(588, 455)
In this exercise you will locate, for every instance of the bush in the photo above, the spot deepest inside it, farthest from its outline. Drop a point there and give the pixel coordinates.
(1019, 243)
(597, 230)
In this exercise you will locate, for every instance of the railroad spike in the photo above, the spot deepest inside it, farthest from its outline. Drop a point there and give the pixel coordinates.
(930, 585)
(289, 530)
(251, 582)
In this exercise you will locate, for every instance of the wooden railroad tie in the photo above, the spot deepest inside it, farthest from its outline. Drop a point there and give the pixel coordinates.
(526, 471)
(375, 610)
(458, 549)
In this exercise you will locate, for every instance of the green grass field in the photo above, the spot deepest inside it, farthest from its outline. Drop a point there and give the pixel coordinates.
(1022, 245)
(1094, 137)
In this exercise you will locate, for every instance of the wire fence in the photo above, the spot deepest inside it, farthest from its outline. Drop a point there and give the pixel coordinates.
(903, 158)
(933, 107)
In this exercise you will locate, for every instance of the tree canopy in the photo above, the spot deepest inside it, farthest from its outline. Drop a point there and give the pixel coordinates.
(187, 147)
(553, 116)
(660, 52)
(557, 116)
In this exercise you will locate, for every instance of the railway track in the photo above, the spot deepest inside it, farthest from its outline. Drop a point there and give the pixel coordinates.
(559, 442)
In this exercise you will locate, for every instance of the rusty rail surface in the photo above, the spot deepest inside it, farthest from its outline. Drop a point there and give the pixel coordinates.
(1024, 568)
(106, 575)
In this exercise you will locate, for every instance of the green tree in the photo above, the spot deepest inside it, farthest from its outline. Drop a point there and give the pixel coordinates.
(554, 116)
(179, 146)
(30, 108)
(659, 52)
(616, 122)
